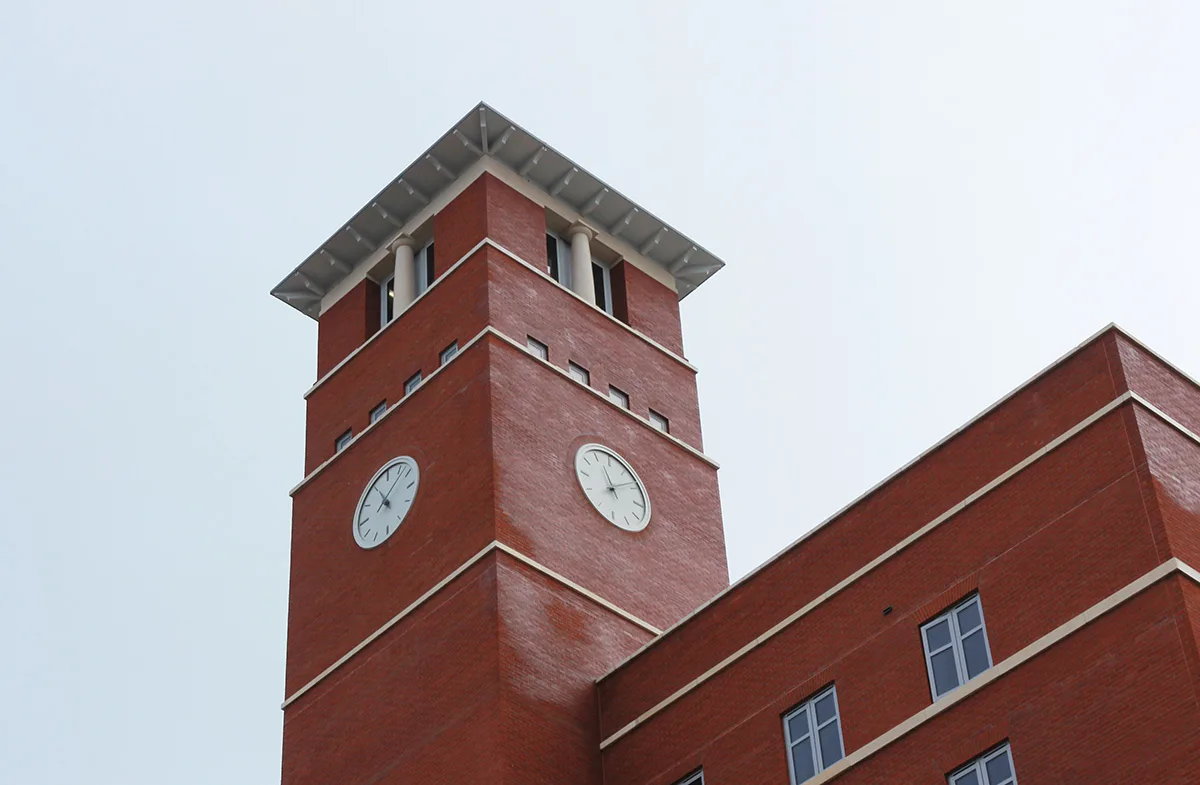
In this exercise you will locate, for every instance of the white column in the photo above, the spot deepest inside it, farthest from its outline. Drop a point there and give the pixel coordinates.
(405, 285)
(580, 237)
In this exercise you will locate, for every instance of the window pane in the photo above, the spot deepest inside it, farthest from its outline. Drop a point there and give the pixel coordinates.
(798, 725)
(969, 618)
(968, 777)
(976, 654)
(601, 291)
(537, 347)
(552, 256)
(945, 675)
(831, 745)
(998, 770)
(938, 634)
(826, 708)
(802, 760)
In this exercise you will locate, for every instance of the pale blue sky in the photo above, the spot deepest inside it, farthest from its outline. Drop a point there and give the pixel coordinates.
(921, 204)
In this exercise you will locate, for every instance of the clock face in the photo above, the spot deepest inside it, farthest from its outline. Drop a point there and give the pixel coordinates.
(613, 487)
(387, 499)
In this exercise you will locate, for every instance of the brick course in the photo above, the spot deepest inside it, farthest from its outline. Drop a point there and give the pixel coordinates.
(494, 677)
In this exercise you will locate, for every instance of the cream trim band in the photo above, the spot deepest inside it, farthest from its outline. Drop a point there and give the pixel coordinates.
(1112, 326)
(1164, 570)
(487, 241)
(461, 352)
(877, 561)
(495, 545)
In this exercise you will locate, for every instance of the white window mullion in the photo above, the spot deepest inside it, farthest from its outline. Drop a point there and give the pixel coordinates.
(960, 658)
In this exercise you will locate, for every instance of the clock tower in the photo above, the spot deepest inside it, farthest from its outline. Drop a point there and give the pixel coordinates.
(505, 491)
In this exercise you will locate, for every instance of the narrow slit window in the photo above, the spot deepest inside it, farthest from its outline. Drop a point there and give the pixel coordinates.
(695, 778)
(660, 422)
(448, 353)
(413, 383)
(387, 305)
(991, 768)
(814, 736)
(579, 373)
(956, 646)
(558, 259)
(602, 278)
(425, 269)
(379, 411)
(537, 348)
(619, 397)
(343, 441)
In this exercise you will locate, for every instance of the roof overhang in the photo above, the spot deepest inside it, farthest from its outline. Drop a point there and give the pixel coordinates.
(484, 132)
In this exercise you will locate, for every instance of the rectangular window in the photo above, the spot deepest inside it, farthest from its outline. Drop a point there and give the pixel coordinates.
(425, 273)
(558, 259)
(537, 347)
(619, 397)
(387, 294)
(991, 768)
(814, 736)
(695, 778)
(579, 373)
(956, 646)
(343, 441)
(379, 411)
(413, 383)
(602, 278)
(448, 353)
(660, 422)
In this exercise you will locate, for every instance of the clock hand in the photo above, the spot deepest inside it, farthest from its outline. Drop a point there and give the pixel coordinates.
(387, 495)
(609, 479)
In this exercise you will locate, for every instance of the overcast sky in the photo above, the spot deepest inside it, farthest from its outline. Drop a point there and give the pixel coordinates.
(921, 205)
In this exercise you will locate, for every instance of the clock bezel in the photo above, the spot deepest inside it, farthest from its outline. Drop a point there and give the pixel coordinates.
(592, 446)
(401, 459)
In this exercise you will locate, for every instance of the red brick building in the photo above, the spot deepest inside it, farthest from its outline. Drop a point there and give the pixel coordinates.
(508, 562)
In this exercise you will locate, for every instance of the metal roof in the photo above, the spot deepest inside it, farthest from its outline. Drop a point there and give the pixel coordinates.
(485, 132)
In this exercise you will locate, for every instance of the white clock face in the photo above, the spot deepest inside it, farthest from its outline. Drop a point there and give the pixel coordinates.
(385, 502)
(613, 487)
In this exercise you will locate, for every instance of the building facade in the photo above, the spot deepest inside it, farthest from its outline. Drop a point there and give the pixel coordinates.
(508, 561)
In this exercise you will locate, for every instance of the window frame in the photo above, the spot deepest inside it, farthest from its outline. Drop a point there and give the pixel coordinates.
(448, 353)
(558, 268)
(622, 400)
(423, 262)
(809, 707)
(955, 644)
(412, 383)
(387, 301)
(579, 373)
(604, 291)
(656, 417)
(343, 441)
(537, 348)
(377, 413)
(695, 778)
(978, 766)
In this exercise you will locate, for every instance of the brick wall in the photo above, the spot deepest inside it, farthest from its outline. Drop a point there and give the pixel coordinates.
(647, 306)
(346, 325)
(495, 434)
(1072, 528)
